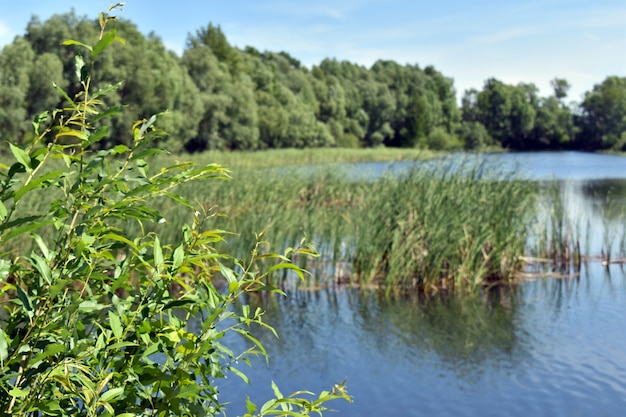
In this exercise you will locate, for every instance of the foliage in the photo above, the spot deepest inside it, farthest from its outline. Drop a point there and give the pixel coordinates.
(602, 119)
(516, 118)
(96, 321)
(221, 97)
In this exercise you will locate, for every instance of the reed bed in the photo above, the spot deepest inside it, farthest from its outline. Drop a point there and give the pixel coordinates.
(446, 226)
(436, 226)
(456, 227)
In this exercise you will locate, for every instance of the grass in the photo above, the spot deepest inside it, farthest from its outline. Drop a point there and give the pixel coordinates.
(282, 157)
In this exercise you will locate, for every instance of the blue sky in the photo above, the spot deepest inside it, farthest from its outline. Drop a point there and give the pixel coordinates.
(469, 40)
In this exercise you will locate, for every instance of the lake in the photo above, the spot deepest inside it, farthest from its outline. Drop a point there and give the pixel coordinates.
(547, 347)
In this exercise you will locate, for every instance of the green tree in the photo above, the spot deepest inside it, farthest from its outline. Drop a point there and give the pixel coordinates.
(507, 112)
(16, 62)
(561, 87)
(45, 73)
(213, 83)
(214, 38)
(601, 121)
(474, 135)
(553, 125)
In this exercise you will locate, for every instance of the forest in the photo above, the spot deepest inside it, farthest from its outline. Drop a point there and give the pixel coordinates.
(220, 97)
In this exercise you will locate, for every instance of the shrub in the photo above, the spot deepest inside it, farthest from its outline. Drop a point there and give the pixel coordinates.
(99, 322)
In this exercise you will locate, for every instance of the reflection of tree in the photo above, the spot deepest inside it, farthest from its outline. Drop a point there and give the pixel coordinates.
(465, 334)
(607, 198)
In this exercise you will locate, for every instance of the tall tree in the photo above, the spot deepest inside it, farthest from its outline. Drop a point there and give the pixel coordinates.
(561, 87)
(603, 117)
(16, 63)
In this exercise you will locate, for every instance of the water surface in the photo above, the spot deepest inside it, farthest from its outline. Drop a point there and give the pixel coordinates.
(549, 347)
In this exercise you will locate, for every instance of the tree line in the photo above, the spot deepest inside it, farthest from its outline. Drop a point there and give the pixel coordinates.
(220, 97)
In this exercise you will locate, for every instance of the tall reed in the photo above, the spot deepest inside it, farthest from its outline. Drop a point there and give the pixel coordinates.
(450, 224)
(436, 226)
(445, 226)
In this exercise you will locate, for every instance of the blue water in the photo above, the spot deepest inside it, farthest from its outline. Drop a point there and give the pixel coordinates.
(550, 347)
(537, 165)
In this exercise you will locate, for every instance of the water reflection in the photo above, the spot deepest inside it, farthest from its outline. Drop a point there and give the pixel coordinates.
(467, 336)
(549, 345)
(607, 197)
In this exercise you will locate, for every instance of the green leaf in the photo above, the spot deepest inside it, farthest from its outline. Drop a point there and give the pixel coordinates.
(233, 286)
(42, 245)
(147, 153)
(41, 265)
(21, 156)
(227, 273)
(79, 67)
(110, 112)
(3, 211)
(267, 406)
(30, 226)
(116, 325)
(89, 306)
(64, 94)
(18, 392)
(107, 39)
(23, 297)
(5, 268)
(250, 406)
(106, 90)
(58, 286)
(118, 238)
(98, 135)
(277, 392)
(179, 199)
(120, 149)
(73, 133)
(290, 266)
(73, 42)
(179, 257)
(121, 345)
(44, 181)
(51, 350)
(50, 407)
(240, 375)
(38, 120)
(4, 346)
(158, 255)
(190, 390)
(145, 126)
(178, 303)
(112, 395)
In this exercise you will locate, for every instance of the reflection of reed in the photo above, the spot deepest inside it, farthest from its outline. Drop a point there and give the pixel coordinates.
(566, 207)
(466, 335)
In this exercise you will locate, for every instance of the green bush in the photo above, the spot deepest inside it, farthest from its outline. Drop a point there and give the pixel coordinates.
(439, 140)
(98, 322)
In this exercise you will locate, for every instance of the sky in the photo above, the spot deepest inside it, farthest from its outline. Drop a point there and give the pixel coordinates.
(531, 41)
